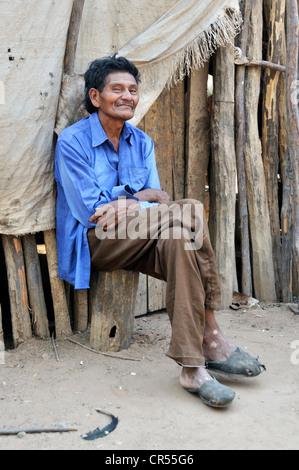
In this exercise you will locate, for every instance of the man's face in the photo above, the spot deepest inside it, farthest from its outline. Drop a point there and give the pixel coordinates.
(119, 97)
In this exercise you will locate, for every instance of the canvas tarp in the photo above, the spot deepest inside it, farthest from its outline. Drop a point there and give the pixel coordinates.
(164, 38)
(33, 37)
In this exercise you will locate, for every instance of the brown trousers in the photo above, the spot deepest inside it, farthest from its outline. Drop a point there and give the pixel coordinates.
(159, 250)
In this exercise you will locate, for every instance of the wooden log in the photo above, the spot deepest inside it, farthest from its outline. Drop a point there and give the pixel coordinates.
(259, 63)
(113, 303)
(240, 146)
(262, 260)
(223, 172)
(270, 124)
(286, 231)
(286, 175)
(35, 288)
(18, 297)
(198, 135)
(62, 318)
(292, 117)
(80, 310)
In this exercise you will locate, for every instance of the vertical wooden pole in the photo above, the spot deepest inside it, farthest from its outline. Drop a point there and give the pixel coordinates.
(261, 242)
(61, 312)
(270, 126)
(287, 231)
(240, 144)
(177, 120)
(292, 115)
(35, 288)
(198, 138)
(223, 172)
(286, 174)
(80, 310)
(21, 323)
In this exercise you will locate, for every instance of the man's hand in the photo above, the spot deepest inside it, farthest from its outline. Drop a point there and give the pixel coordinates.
(111, 214)
(153, 195)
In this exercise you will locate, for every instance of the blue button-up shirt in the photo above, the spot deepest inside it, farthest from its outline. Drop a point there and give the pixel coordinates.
(89, 173)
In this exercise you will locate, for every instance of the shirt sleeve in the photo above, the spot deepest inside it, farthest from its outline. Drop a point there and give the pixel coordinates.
(122, 191)
(78, 181)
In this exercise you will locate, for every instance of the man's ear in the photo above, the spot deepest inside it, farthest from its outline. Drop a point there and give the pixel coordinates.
(94, 96)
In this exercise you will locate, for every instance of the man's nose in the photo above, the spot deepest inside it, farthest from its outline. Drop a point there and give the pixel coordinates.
(127, 95)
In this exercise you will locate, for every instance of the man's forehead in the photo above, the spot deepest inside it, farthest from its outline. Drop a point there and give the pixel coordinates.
(119, 78)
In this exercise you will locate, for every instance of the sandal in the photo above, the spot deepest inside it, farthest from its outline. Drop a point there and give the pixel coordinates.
(213, 393)
(239, 363)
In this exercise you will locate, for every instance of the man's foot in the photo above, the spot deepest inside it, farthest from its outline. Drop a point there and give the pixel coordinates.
(212, 393)
(194, 377)
(222, 355)
(216, 346)
(240, 363)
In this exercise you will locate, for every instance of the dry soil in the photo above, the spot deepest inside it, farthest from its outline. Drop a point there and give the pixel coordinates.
(154, 412)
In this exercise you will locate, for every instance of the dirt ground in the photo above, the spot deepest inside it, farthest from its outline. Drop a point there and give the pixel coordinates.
(154, 412)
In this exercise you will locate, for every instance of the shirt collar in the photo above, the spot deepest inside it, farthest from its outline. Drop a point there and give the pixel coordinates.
(99, 135)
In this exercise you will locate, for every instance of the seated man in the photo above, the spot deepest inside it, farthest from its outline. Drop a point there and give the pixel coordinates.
(107, 180)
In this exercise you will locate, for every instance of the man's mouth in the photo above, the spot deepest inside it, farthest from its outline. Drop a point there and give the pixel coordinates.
(126, 105)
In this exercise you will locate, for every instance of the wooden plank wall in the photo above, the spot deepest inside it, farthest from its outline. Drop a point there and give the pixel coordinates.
(165, 124)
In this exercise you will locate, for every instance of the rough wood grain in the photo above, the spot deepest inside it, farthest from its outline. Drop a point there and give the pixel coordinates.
(197, 134)
(18, 297)
(37, 302)
(262, 261)
(223, 172)
(62, 318)
(112, 304)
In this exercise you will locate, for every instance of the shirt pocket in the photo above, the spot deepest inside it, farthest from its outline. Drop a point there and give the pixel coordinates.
(135, 177)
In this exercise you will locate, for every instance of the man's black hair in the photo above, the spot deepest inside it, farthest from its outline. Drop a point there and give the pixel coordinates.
(95, 76)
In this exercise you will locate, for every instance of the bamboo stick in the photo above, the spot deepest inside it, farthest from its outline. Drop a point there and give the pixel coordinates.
(35, 287)
(18, 297)
(61, 312)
